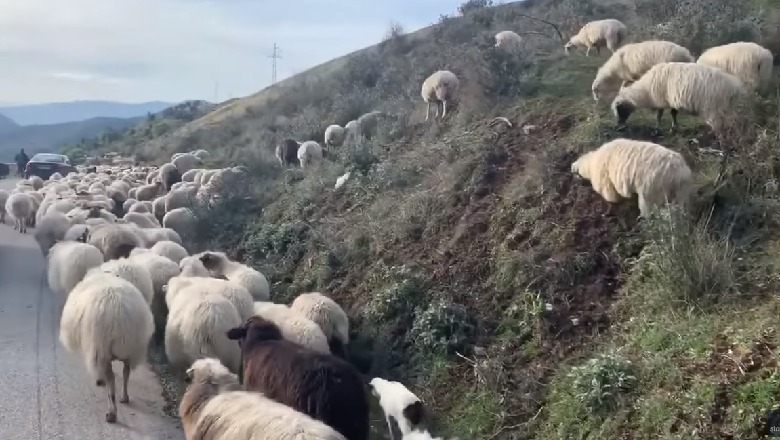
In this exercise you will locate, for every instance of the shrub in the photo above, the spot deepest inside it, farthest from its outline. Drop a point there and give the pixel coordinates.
(601, 383)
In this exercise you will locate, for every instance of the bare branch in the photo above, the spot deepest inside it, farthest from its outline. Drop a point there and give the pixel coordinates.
(551, 24)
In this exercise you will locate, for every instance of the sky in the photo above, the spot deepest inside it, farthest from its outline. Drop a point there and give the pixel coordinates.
(174, 50)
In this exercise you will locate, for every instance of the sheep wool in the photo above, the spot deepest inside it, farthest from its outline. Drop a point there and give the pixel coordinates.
(20, 207)
(294, 327)
(214, 407)
(334, 136)
(68, 263)
(253, 281)
(441, 88)
(309, 154)
(105, 318)
(631, 61)
(696, 88)
(50, 229)
(170, 249)
(748, 61)
(508, 40)
(133, 272)
(623, 167)
(597, 34)
(328, 315)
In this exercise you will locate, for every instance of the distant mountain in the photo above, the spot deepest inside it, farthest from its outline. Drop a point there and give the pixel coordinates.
(51, 137)
(60, 112)
(6, 124)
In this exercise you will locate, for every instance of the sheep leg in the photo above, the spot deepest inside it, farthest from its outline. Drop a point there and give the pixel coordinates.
(125, 379)
(674, 119)
(587, 51)
(444, 109)
(111, 385)
(427, 110)
(389, 427)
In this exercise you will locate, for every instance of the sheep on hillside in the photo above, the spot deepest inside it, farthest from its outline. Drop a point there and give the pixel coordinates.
(399, 403)
(215, 407)
(609, 32)
(696, 88)
(623, 167)
(748, 61)
(323, 386)
(310, 154)
(169, 175)
(287, 152)
(441, 88)
(368, 123)
(508, 40)
(105, 318)
(186, 162)
(334, 136)
(351, 131)
(250, 279)
(331, 318)
(631, 61)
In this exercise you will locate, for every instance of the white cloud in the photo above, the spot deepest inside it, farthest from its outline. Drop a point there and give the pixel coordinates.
(138, 50)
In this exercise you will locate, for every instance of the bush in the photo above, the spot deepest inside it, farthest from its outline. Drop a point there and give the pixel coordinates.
(601, 383)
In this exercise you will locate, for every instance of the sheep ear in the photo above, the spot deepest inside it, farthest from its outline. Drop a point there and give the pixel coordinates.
(237, 333)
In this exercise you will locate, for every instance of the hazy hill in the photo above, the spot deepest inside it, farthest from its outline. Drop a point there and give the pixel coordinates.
(7, 124)
(74, 111)
(478, 270)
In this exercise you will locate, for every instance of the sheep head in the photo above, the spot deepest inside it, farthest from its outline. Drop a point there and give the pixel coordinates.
(212, 261)
(210, 370)
(255, 329)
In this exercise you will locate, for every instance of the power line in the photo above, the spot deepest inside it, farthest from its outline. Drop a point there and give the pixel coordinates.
(275, 56)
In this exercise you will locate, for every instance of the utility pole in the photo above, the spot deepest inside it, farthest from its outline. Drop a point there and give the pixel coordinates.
(275, 56)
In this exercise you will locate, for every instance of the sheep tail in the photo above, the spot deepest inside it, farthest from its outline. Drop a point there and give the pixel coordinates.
(500, 119)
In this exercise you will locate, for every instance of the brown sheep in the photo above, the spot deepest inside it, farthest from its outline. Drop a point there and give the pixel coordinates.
(323, 386)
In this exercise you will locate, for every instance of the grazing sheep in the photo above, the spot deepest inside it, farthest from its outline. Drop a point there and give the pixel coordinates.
(253, 281)
(309, 154)
(748, 61)
(68, 263)
(294, 327)
(631, 61)
(20, 206)
(3, 199)
(197, 328)
(186, 162)
(169, 175)
(170, 249)
(399, 403)
(105, 318)
(214, 407)
(696, 88)
(441, 88)
(133, 272)
(328, 315)
(334, 136)
(508, 40)
(114, 240)
(623, 167)
(51, 228)
(367, 124)
(351, 131)
(610, 33)
(323, 386)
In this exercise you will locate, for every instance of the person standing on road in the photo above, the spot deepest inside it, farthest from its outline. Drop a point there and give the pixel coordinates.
(21, 162)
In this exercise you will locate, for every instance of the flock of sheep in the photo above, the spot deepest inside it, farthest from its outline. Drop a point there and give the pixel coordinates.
(255, 369)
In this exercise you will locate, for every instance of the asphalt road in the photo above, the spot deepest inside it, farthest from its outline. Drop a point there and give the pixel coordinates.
(45, 392)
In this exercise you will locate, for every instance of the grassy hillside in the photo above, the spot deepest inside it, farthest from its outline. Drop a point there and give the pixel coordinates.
(129, 137)
(73, 111)
(479, 271)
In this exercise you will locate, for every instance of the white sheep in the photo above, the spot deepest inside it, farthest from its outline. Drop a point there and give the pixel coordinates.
(150, 191)
(151, 236)
(186, 162)
(631, 61)
(51, 228)
(193, 267)
(217, 263)
(190, 175)
(334, 136)
(696, 88)
(309, 154)
(508, 40)
(20, 206)
(181, 220)
(326, 313)
(140, 220)
(133, 272)
(170, 249)
(214, 407)
(294, 327)
(399, 403)
(114, 240)
(36, 181)
(623, 167)
(161, 270)
(609, 32)
(197, 328)
(351, 131)
(3, 199)
(441, 88)
(105, 318)
(68, 262)
(748, 61)
(237, 295)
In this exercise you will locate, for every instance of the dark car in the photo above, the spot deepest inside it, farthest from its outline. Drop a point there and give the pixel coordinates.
(44, 165)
